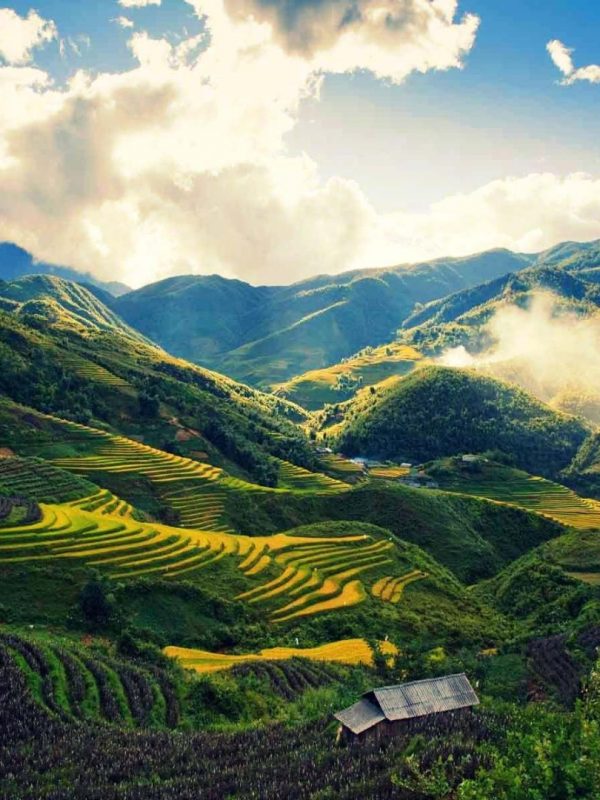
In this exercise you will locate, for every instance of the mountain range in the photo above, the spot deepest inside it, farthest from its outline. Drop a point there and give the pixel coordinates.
(196, 572)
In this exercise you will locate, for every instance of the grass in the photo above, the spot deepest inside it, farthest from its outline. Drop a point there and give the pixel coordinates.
(347, 651)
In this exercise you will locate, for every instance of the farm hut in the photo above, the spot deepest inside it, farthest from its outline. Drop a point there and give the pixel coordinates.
(391, 709)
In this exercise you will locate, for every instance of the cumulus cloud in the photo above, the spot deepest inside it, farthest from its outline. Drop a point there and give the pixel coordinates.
(542, 347)
(527, 214)
(562, 57)
(180, 164)
(139, 3)
(391, 38)
(19, 36)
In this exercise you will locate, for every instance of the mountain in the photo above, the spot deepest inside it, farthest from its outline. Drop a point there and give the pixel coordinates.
(62, 304)
(264, 335)
(475, 306)
(16, 263)
(63, 352)
(437, 411)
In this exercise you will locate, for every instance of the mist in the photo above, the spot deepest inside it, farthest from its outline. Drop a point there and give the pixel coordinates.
(550, 352)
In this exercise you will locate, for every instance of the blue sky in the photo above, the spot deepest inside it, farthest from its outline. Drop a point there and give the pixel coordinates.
(351, 175)
(503, 113)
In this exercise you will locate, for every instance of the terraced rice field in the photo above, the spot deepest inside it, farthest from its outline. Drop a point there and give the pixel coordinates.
(105, 503)
(347, 651)
(90, 370)
(530, 492)
(196, 490)
(390, 589)
(301, 480)
(314, 574)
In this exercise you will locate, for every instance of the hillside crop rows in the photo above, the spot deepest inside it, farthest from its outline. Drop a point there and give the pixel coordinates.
(38, 480)
(74, 684)
(533, 493)
(348, 651)
(288, 679)
(44, 757)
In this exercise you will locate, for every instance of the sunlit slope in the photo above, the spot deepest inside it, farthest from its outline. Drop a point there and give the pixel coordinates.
(337, 383)
(347, 651)
(508, 485)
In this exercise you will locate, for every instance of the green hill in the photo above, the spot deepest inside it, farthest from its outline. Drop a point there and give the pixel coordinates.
(63, 304)
(437, 411)
(265, 335)
(316, 388)
(473, 307)
(87, 373)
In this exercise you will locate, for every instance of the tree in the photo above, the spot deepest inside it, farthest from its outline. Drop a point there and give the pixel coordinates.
(97, 604)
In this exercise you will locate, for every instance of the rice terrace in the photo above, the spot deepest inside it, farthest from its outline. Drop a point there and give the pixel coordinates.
(299, 400)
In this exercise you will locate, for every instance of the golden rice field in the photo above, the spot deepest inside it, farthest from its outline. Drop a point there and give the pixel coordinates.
(389, 472)
(347, 651)
(313, 574)
(390, 589)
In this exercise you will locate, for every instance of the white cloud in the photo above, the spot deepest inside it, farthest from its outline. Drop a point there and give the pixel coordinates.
(180, 165)
(390, 38)
(139, 3)
(542, 347)
(19, 36)
(527, 214)
(561, 55)
(123, 22)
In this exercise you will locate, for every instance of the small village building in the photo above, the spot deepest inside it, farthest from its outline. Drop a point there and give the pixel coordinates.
(469, 458)
(392, 709)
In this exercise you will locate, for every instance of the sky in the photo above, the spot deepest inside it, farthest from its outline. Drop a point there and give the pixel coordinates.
(271, 140)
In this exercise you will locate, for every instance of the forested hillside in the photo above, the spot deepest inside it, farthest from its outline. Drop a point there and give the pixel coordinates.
(439, 411)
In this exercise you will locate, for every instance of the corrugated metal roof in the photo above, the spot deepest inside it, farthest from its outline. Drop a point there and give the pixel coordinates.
(361, 716)
(409, 700)
(429, 696)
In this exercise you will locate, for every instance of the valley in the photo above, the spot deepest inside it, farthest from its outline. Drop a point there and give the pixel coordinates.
(189, 563)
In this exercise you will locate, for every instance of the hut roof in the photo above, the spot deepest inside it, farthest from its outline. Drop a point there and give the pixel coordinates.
(409, 700)
(361, 716)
